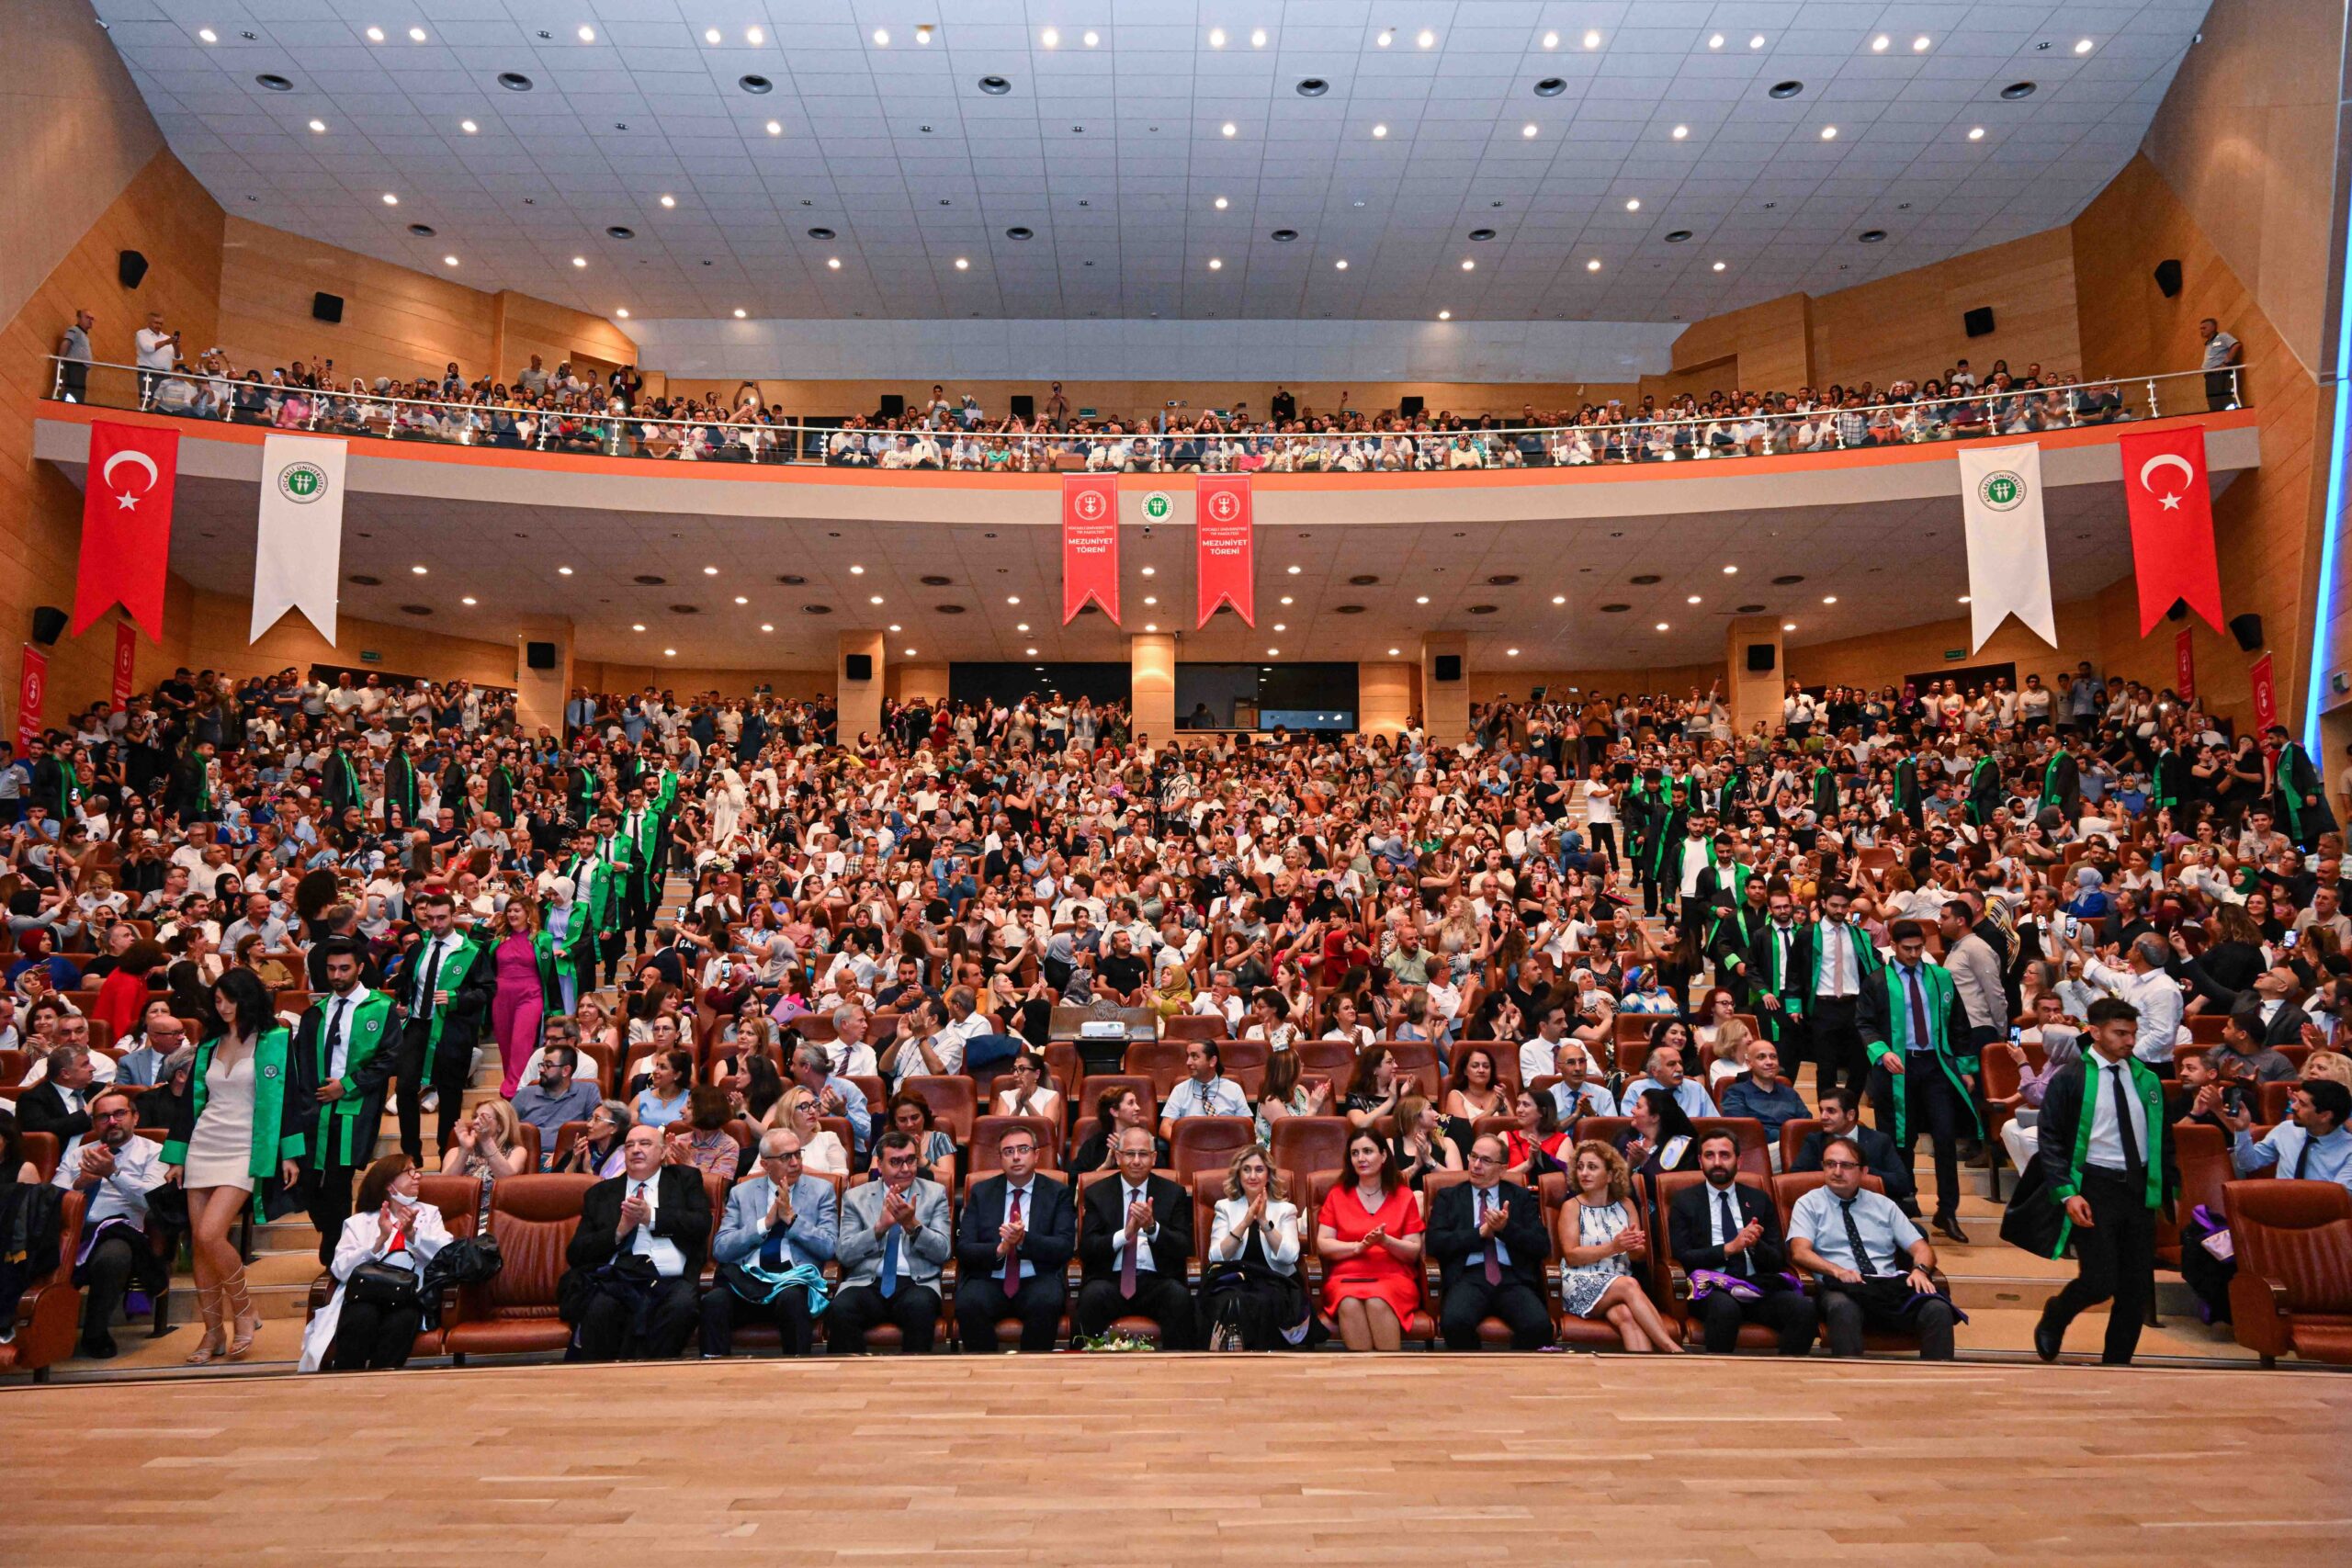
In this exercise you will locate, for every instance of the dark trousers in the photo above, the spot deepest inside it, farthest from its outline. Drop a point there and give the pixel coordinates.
(1649, 889)
(1786, 1313)
(584, 954)
(723, 1312)
(859, 1308)
(122, 1256)
(1164, 1301)
(609, 949)
(373, 1339)
(1604, 839)
(2218, 395)
(1838, 1059)
(2116, 1255)
(1470, 1301)
(451, 1068)
(1932, 1105)
(609, 1323)
(1848, 1317)
(329, 1200)
(636, 912)
(981, 1304)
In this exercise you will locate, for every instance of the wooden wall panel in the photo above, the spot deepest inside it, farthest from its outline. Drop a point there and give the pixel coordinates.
(1765, 347)
(395, 322)
(1907, 327)
(527, 326)
(220, 620)
(1886, 657)
(622, 679)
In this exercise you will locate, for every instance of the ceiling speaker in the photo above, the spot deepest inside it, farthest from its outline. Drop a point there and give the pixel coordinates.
(538, 655)
(326, 307)
(129, 267)
(2247, 629)
(857, 667)
(48, 625)
(1446, 667)
(1760, 658)
(2168, 276)
(1979, 322)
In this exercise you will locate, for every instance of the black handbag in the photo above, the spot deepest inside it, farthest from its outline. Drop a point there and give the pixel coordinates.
(383, 1285)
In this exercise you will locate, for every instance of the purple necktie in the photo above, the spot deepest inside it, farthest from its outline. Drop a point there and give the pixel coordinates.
(1013, 1259)
(1494, 1265)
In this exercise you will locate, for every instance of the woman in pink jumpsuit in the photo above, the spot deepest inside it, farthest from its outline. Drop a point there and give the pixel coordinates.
(517, 1007)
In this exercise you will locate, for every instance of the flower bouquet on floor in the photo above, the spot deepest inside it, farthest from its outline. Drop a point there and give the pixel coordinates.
(1111, 1342)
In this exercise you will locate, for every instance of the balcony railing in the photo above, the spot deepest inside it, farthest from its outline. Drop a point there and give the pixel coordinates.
(617, 432)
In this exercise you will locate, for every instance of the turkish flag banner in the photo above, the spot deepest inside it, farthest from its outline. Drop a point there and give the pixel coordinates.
(126, 525)
(1089, 544)
(2184, 657)
(1226, 570)
(32, 693)
(2172, 523)
(2266, 693)
(126, 661)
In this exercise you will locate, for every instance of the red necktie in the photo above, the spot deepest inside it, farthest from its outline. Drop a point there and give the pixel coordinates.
(1013, 1259)
(1494, 1265)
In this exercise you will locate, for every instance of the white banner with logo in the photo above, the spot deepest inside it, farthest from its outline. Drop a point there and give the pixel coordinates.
(2008, 551)
(298, 555)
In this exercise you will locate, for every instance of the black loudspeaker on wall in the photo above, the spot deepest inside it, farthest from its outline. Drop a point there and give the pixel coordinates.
(326, 307)
(1408, 407)
(130, 267)
(48, 623)
(894, 406)
(2168, 276)
(539, 655)
(1979, 322)
(1024, 407)
(2247, 629)
(1759, 658)
(857, 667)
(1446, 667)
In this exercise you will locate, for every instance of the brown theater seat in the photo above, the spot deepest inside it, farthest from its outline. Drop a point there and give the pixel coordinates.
(48, 1315)
(987, 1130)
(1162, 1061)
(1207, 1143)
(954, 1101)
(1755, 1144)
(2292, 1291)
(1494, 1331)
(1302, 1145)
(1786, 1190)
(1421, 1330)
(1194, 1026)
(532, 1219)
(1674, 1292)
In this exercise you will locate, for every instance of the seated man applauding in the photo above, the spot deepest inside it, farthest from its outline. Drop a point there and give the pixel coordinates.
(1139, 1233)
(1012, 1251)
(772, 1251)
(1488, 1235)
(636, 1257)
(894, 1240)
(1727, 1238)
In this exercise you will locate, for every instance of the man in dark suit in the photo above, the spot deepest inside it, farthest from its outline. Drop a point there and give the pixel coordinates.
(1014, 1243)
(1841, 1112)
(445, 991)
(60, 1104)
(1725, 1228)
(1488, 1238)
(350, 1038)
(636, 1257)
(1923, 1056)
(1132, 1247)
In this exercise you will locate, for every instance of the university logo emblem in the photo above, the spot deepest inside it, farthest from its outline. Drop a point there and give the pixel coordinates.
(303, 482)
(2001, 492)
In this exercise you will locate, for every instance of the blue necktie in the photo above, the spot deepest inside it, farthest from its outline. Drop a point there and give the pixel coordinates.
(890, 1264)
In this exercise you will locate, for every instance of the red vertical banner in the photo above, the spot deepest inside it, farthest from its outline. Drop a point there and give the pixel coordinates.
(125, 524)
(126, 661)
(2266, 693)
(2184, 661)
(2171, 506)
(32, 692)
(1089, 544)
(1226, 569)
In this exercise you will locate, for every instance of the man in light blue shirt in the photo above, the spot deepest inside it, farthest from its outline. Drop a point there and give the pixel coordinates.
(1664, 1071)
(2312, 1145)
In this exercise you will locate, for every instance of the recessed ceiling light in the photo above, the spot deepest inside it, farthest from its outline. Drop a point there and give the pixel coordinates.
(448, 261)
(468, 599)
(669, 653)
(1829, 133)
(318, 125)
(1879, 44)
(208, 35)
(1719, 266)
(1378, 131)
(1731, 572)
(963, 263)
(1829, 598)
(1091, 39)
(1280, 628)
(1963, 598)
(775, 128)
(469, 127)
(1022, 627)
(1511, 653)
(1341, 266)
(390, 200)
(1661, 626)
(1031, 652)
(1288, 600)
(1788, 626)
(668, 201)
(1469, 264)
(418, 571)
(1592, 39)
(873, 597)
(856, 570)
(738, 315)
(1633, 204)
(1012, 598)
(637, 628)
(375, 35)
(1051, 39)
(580, 261)
(2083, 46)
(1681, 133)
(1425, 38)
(1693, 599)
(1446, 315)
(1920, 45)
(1716, 41)
(587, 33)
(833, 262)
(416, 35)
(740, 600)
(1420, 599)
(1227, 129)
(1386, 35)
(1256, 37)
(563, 572)
(767, 625)
(1151, 571)
(622, 313)
(1154, 599)
(922, 34)
(710, 571)
(1593, 265)
(895, 626)
(710, 35)
(1216, 37)
(514, 80)
(1976, 133)
(1220, 204)
(1527, 131)
(1273, 653)
(1394, 651)
(1755, 42)
(1216, 264)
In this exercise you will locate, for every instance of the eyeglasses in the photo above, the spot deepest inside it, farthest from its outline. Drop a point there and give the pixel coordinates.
(1486, 1159)
(1841, 1164)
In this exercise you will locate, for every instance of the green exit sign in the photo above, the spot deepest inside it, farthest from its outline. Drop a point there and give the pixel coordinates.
(370, 655)
(1954, 655)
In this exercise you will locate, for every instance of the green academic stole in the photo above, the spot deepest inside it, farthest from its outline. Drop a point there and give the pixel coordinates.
(270, 1054)
(366, 1032)
(2149, 1090)
(1936, 990)
(2049, 776)
(2289, 796)
(454, 970)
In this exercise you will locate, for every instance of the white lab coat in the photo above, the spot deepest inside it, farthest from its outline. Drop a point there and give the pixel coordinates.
(357, 1246)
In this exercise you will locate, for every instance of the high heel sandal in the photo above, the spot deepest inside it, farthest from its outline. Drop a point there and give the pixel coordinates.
(241, 1309)
(208, 1303)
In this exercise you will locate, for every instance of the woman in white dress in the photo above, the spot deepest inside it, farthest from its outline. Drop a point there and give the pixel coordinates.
(240, 1140)
(1597, 1234)
(728, 799)
(393, 1226)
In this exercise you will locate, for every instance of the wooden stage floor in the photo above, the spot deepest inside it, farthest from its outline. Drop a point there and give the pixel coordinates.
(1165, 1459)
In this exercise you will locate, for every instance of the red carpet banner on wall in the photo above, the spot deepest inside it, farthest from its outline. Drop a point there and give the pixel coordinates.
(126, 525)
(2184, 659)
(2172, 523)
(32, 693)
(1226, 570)
(126, 661)
(1089, 544)
(2265, 692)
(2008, 552)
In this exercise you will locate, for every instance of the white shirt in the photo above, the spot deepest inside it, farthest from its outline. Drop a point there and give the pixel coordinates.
(445, 946)
(154, 349)
(1538, 1058)
(137, 1171)
(338, 1018)
(1028, 1195)
(2158, 996)
(1130, 1197)
(2105, 1149)
(1838, 967)
(668, 1261)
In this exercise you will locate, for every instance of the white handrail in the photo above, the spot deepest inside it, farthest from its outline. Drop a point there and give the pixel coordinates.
(1627, 439)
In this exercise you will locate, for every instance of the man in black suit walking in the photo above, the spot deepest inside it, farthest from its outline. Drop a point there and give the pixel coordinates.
(1725, 1228)
(1488, 1235)
(1131, 1252)
(636, 1257)
(1014, 1243)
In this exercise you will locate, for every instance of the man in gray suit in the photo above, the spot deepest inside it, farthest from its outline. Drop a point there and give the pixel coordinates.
(894, 1238)
(770, 1252)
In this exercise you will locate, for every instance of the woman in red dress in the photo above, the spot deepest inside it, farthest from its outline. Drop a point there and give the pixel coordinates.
(1369, 1235)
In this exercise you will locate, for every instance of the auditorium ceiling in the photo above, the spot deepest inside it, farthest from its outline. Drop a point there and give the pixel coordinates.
(1500, 160)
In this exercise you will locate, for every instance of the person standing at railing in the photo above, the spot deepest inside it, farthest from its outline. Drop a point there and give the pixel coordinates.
(158, 351)
(2223, 354)
(74, 359)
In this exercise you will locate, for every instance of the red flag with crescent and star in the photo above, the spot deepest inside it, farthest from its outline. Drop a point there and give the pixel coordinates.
(2172, 523)
(126, 525)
